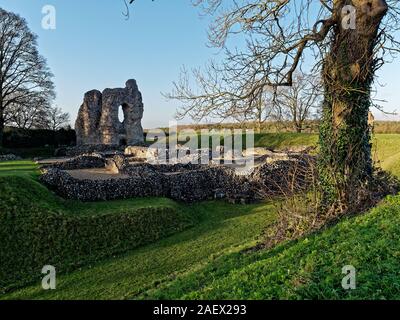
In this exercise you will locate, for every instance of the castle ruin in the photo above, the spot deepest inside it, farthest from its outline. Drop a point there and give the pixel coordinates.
(98, 122)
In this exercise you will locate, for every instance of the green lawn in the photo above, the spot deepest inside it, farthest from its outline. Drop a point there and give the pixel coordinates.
(284, 140)
(308, 269)
(387, 150)
(206, 261)
(23, 167)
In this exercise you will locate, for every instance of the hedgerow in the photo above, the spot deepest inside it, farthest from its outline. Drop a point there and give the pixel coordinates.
(35, 233)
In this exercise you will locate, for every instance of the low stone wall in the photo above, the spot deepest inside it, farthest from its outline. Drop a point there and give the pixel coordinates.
(95, 190)
(143, 181)
(80, 162)
(9, 157)
(88, 149)
(182, 182)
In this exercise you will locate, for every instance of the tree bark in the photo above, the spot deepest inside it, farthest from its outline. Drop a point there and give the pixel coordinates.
(1, 115)
(345, 164)
(1, 128)
(259, 126)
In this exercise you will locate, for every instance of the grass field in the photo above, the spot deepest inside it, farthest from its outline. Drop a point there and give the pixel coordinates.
(387, 151)
(18, 168)
(308, 269)
(284, 140)
(206, 261)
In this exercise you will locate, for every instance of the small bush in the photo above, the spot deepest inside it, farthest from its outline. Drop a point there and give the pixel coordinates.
(29, 153)
(36, 234)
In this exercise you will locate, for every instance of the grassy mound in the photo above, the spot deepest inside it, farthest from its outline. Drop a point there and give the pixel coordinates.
(220, 229)
(307, 269)
(37, 229)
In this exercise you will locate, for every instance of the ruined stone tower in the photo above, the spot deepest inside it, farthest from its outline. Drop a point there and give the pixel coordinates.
(98, 122)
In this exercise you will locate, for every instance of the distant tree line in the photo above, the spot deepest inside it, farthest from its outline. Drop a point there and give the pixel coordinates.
(15, 138)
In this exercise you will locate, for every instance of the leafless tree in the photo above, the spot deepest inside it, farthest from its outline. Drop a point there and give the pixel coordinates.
(255, 109)
(24, 75)
(56, 119)
(301, 101)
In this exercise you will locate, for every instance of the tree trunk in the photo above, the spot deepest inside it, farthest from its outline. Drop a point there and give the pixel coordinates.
(1, 128)
(259, 126)
(345, 164)
(259, 114)
(1, 114)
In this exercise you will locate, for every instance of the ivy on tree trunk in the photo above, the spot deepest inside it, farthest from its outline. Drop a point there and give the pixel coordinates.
(345, 164)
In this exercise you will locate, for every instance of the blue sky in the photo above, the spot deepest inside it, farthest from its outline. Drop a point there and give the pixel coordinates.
(95, 47)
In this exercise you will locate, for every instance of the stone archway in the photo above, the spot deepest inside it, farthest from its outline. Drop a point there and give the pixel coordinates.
(121, 114)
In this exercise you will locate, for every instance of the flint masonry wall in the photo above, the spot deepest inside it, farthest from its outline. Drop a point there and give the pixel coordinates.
(187, 183)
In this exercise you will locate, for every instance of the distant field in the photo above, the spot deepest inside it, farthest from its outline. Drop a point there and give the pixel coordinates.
(387, 151)
(386, 147)
(287, 127)
(285, 140)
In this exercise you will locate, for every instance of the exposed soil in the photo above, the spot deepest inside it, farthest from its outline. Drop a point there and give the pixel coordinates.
(96, 174)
